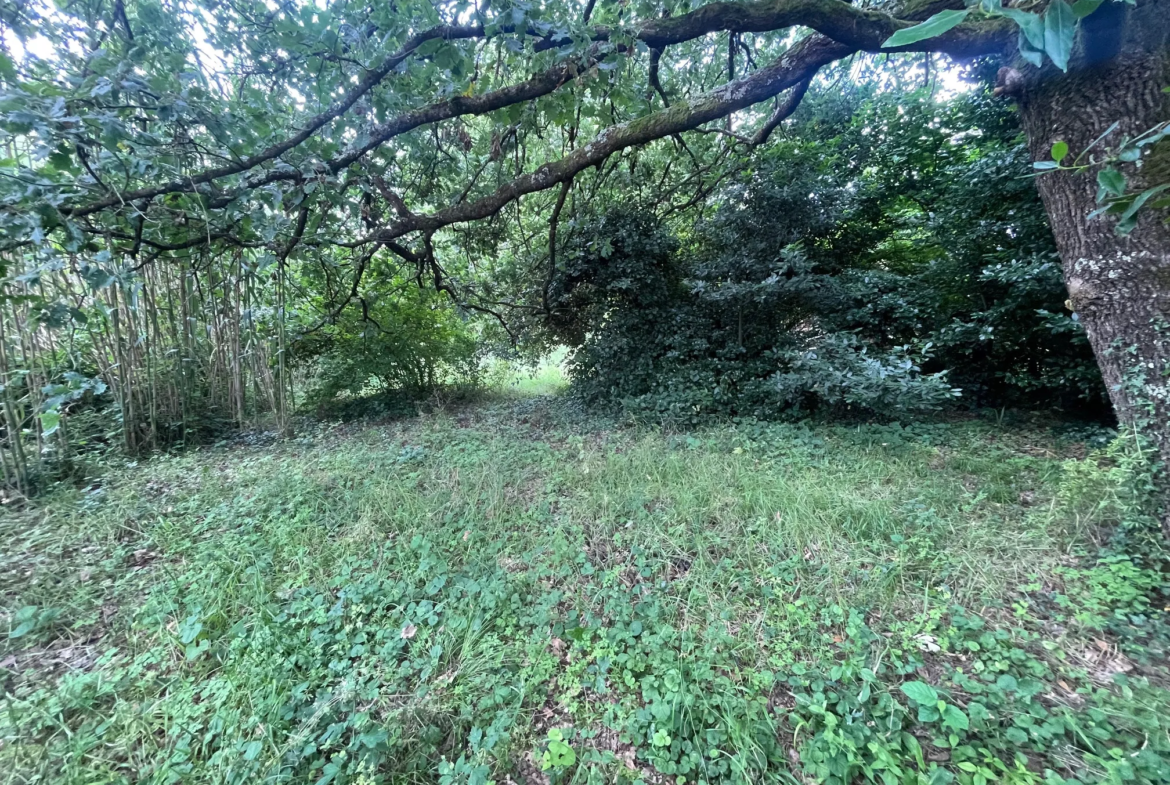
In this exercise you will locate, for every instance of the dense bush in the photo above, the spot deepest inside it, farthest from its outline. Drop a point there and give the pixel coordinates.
(914, 264)
(740, 335)
(409, 345)
(838, 370)
(946, 242)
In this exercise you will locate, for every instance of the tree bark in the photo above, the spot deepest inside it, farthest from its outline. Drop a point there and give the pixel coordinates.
(1119, 287)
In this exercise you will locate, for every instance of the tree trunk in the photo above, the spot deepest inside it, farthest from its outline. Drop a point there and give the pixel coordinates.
(1119, 287)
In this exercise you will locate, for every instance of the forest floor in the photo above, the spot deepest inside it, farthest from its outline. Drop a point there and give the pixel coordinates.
(516, 592)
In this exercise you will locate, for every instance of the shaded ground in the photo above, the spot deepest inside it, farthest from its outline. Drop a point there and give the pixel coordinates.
(514, 592)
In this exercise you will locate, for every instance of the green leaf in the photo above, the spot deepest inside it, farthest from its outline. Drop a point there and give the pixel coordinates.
(1007, 683)
(1129, 218)
(1112, 183)
(252, 749)
(953, 717)
(561, 754)
(1153, 136)
(1030, 53)
(920, 692)
(1059, 151)
(914, 748)
(1060, 27)
(1031, 26)
(190, 629)
(1083, 8)
(61, 160)
(1111, 208)
(932, 27)
(1045, 165)
(50, 422)
(328, 774)
(1016, 735)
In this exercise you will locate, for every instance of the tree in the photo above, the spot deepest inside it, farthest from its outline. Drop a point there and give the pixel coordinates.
(1115, 87)
(154, 129)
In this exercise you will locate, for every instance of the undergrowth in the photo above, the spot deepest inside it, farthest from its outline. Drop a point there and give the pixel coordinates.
(515, 593)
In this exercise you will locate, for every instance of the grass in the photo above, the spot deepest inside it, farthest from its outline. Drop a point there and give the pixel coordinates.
(516, 592)
(546, 377)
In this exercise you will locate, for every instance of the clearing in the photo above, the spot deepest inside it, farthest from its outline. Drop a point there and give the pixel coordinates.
(514, 591)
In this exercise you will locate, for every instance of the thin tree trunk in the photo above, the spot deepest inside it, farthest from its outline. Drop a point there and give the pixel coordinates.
(14, 418)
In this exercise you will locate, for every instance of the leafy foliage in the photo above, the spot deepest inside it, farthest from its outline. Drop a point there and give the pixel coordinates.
(1113, 191)
(956, 253)
(412, 343)
(914, 261)
(518, 592)
(1051, 33)
(716, 336)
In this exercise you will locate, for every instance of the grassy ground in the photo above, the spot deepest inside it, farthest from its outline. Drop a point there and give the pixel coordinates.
(513, 592)
(547, 377)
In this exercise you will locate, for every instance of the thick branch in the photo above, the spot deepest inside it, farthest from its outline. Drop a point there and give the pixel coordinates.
(793, 68)
(782, 113)
(849, 25)
(861, 28)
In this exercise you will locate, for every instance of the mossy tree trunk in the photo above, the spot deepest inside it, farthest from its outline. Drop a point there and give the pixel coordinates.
(1119, 286)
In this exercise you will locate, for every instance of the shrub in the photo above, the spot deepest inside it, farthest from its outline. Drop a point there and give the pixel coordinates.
(840, 372)
(408, 346)
(723, 329)
(946, 243)
(913, 264)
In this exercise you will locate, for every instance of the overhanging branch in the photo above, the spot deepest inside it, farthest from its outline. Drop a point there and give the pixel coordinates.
(367, 83)
(782, 113)
(851, 27)
(790, 70)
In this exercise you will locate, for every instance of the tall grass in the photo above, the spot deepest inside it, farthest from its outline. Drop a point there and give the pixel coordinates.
(412, 577)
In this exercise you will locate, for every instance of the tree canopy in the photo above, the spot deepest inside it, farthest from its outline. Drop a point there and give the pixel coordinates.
(223, 192)
(160, 129)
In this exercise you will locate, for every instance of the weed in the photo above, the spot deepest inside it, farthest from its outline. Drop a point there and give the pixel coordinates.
(512, 590)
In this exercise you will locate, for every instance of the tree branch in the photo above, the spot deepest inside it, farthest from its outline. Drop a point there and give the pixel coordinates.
(298, 233)
(367, 83)
(849, 25)
(782, 113)
(552, 240)
(859, 27)
(794, 67)
(528, 90)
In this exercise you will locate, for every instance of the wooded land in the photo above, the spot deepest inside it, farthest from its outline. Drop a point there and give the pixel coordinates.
(336, 339)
